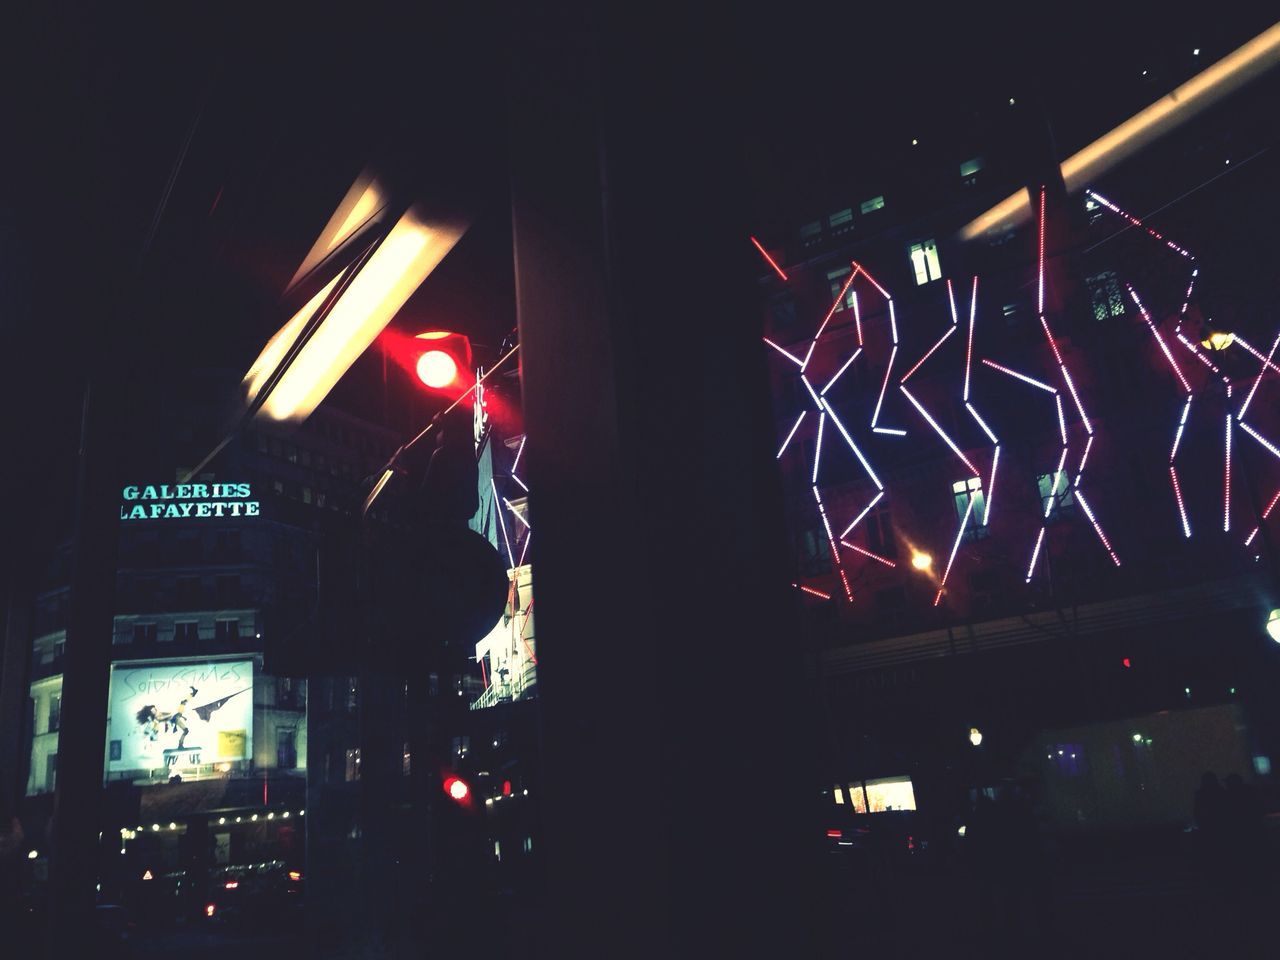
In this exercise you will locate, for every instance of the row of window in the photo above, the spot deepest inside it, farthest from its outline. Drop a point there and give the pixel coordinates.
(228, 629)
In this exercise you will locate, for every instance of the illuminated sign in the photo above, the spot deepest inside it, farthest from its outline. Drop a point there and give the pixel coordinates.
(175, 715)
(188, 501)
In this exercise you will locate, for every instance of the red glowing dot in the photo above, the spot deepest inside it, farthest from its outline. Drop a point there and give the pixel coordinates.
(457, 788)
(506, 788)
(437, 369)
(1126, 663)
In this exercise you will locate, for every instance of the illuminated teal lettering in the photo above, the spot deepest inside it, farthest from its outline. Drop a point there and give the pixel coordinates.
(131, 493)
(186, 508)
(149, 493)
(251, 508)
(203, 510)
(199, 491)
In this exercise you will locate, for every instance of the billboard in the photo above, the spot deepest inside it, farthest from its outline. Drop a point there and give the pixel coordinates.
(177, 715)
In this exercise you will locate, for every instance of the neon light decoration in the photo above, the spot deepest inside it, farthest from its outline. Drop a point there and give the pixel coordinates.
(954, 547)
(867, 553)
(796, 426)
(773, 263)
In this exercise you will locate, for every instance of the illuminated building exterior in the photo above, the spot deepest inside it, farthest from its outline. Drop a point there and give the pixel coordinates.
(1030, 476)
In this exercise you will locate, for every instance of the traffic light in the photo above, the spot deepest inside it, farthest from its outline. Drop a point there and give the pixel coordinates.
(443, 360)
(458, 790)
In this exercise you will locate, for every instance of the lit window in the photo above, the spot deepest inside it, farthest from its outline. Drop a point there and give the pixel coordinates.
(1010, 311)
(836, 280)
(1106, 295)
(924, 260)
(1055, 494)
(872, 205)
(840, 795)
(969, 170)
(885, 794)
(967, 491)
(841, 221)
(1093, 209)
(811, 233)
(812, 552)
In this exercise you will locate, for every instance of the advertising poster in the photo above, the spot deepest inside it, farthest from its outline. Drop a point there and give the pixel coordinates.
(177, 715)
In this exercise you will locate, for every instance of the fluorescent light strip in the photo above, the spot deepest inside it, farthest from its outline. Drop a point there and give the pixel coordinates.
(817, 450)
(991, 486)
(835, 551)
(1196, 353)
(1021, 376)
(1245, 343)
(832, 382)
(1071, 385)
(892, 431)
(954, 547)
(1088, 445)
(968, 353)
(1088, 512)
(852, 446)
(827, 319)
(1062, 421)
(794, 428)
(1260, 438)
(1226, 482)
(875, 415)
(982, 423)
(524, 550)
(1177, 495)
(786, 353)
(942, 433)
(817, 401)
(1186, 301)
(506, 539)
(928, 354)
(1135, 221)
(521, 482)
(1164, 347)
(1040, 272)
(1258, 379)
(516, 462)
(773, 263)
(867, 553)
(951, 296)
(865, 510)
(1057, 475)
(857, 318)
(883, 292)
(516, 514)
(1035, 555)
(893, 322)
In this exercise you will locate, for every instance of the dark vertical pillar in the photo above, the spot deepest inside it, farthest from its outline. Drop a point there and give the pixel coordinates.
(676, 741)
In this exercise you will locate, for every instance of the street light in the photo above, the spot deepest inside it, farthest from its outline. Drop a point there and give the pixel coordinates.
(975, 736)
(1273, 625)
(921, 560)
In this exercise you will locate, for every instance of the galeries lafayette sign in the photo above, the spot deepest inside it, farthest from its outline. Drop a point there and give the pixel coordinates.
(188, 501)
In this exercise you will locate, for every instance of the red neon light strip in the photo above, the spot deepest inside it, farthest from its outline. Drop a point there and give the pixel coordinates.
(1226, 483)
(1052, 342)
(1177, 495)
(811, 591)
(786, 353)
(1258, 379)
(827, 319)
(1271, 506)
(954, 547)
(1040, 272)
(1164, 347)
(1138, 223)
(991, 487)
(1035, 555)
(982, 423)
(853, 446)
(831, 383)
(865, 510)
(794, 428)
(928, 354)
(867, 553)
(1088, 512)
(773, 263)
(942, 433)
(883, 292)
(1021, 376)
(875, 415)
(484, 676)
(968, 353)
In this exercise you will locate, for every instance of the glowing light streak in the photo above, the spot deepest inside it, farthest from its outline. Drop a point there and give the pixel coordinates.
(1196, 353)
(1097, 527)
(786, 353)
(1260, 438)
(1021, 376)
(867, 553)
(1135, 221)
(817, 450)
(1258, 379)
(1088, 445)
(832, 382)
(928, 354)
(1182, 425)
(982, 423)
(954, 548)
(1071, 385)
(794, 428)
(892, 431)
(827, 319)
(1040, 272)
(893, 322)
(516, 462)
(1177, 495)
(875, 415)
(991, 486)
(835, 551)
(1265, 361)
(883, 292)
(1226, 483)
(773, 263)
(521, 482)
(857, 317)
(1035, 555)
(1057, 476)
(1164, 347)
(817, 401)
(1265, 513)
(951, 296)
(940, 432)
(1249, 539)
(860, 517)
(1052, 342)
(524, 550)
(515, 513)
(852, 446)
(968, 353)
(506, 539)
(1186, 300)
(1062, 421)
(811, 591)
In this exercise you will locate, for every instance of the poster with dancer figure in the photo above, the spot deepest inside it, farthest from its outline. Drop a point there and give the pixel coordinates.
(177, 715)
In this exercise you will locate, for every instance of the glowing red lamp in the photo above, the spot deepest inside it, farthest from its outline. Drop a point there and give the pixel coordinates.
(457, 789)
(443, 359)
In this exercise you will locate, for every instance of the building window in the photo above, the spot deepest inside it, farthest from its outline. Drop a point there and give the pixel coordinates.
(1055, 494)
(353, 764)
(924, 261)
(115, 750)
(967, 491)
(872, 205)
(144, 633)
(286, 749)
(881, 796)
(278, 486)
(306, 495)
(969, 171)
(1067, 757)
(50, 773)
(186, 631)
(55, 713)
(880, 532)
(811, 233)
(813, 554)
(836, 280)
(226, 630)
(1093, 209)
(841, 221)
(1106, 295)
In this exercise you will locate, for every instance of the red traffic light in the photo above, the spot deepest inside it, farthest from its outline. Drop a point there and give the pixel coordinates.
(458, 790)
(443, 358)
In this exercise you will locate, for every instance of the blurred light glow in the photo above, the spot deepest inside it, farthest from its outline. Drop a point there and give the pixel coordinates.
(437, 369)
